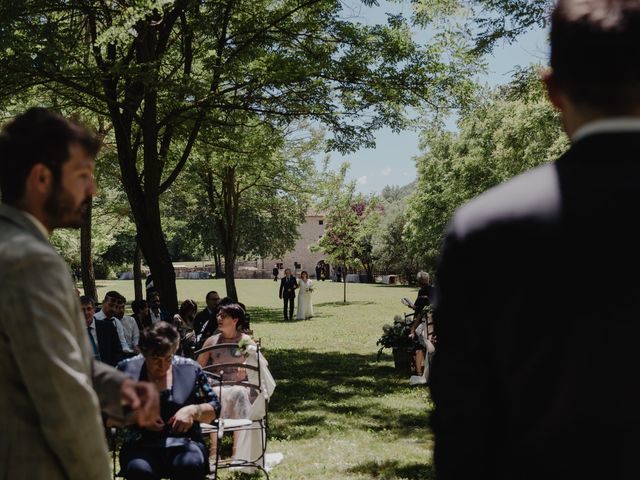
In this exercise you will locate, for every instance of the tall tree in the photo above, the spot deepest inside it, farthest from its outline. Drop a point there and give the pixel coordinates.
(346, 240)
(510, 130)
(163, 71)
(256, 182)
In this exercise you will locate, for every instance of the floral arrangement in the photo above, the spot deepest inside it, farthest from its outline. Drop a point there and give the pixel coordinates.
(243, 346)
(396, 335)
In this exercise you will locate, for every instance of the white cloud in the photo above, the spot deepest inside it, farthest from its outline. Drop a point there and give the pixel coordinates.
(362, 180)
(385, 172)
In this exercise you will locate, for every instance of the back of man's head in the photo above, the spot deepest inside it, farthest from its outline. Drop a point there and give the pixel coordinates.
(37, 136)
(595, 53)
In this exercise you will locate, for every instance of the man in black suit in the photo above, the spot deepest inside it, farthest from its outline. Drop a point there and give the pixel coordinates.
(208, 314)
(288, 286)
(156, 312)
(534, 377)
(103, 335)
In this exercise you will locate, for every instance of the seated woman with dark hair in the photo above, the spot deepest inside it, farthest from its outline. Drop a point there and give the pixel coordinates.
(174, 448)
(235, 399)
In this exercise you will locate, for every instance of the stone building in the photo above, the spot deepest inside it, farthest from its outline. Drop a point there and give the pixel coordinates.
(301, 257)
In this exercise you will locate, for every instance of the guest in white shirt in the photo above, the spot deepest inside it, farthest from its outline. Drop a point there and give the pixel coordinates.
(130, 327)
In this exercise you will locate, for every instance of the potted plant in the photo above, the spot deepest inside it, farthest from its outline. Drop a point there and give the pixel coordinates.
(396, 337)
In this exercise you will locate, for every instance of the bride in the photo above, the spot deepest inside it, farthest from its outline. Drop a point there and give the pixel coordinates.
(305, 306)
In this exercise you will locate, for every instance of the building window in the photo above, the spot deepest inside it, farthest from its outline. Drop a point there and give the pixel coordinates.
(320, 222)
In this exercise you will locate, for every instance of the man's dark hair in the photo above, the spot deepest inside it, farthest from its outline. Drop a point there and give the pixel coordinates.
(137, 306)
(37, 136)
(211, 292)
(159, 339)
(115, 295)
(87, 300)
(234, 311)
(225, 301)
(186, 306)
(595, 53)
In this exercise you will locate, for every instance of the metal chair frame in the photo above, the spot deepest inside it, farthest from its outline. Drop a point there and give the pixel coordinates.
(216, 372)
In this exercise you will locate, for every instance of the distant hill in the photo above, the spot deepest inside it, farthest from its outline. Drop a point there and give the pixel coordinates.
(394, 193)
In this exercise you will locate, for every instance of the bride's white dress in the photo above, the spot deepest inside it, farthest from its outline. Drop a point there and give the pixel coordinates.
(305, 306)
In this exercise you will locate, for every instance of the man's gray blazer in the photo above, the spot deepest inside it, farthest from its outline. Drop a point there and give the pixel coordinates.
(50, 425)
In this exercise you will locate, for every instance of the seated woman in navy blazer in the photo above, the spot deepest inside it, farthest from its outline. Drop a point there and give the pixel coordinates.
(174, 447)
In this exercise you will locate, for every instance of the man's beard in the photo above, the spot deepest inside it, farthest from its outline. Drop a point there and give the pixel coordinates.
(61, 210)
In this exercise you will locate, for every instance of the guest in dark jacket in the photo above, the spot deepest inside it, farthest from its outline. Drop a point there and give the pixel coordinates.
(103, 335)
(140, 310)
(156, 312)
(208, 314)
(532, 378)
(175, 447)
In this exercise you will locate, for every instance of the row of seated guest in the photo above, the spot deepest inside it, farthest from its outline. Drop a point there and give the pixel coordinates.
(103, 334)
(111, 313)
(174, 447)
(109, 309)
(235, 398)
(205, 322)
(120, 340)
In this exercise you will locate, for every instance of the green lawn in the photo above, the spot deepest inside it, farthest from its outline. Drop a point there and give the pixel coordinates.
(336, 412)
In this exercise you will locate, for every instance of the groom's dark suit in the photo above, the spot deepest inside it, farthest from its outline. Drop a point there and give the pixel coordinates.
(287, 292)
(536, 374)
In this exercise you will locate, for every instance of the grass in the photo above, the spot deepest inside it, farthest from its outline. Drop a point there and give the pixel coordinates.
(336, 413)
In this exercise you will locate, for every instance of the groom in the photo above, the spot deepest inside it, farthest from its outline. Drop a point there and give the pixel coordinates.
(288, 286)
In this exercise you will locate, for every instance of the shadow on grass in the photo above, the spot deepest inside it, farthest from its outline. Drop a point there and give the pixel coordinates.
(266, 315)
(332, 390)
(394, 469)
(342, 304)
(275, 315)
(384, 285)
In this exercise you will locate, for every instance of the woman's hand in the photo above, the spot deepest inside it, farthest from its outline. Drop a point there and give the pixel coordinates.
(157, 425)
(184, 418)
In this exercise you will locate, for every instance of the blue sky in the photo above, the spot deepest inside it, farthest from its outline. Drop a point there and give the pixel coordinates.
(391, 162)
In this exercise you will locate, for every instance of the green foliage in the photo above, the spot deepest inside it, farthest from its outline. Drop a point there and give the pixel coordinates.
(255, 179)
(513, 130)
(396, 335)
(350, 221)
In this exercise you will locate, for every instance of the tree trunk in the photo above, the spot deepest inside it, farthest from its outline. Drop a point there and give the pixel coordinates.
(155, 251)
(137, 273)
(229, 279)
(145, 207)
(369, 269)
(86, 262)
(344, 281)
(217, 260)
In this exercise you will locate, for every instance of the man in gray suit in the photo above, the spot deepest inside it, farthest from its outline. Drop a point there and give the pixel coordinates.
(51, 389)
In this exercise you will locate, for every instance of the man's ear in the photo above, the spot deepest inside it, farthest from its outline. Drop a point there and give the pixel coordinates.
(553, 91)
(40, 178)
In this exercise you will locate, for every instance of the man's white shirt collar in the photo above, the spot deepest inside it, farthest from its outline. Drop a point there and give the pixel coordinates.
(37, 223)
(100, 315)
(609, 125)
